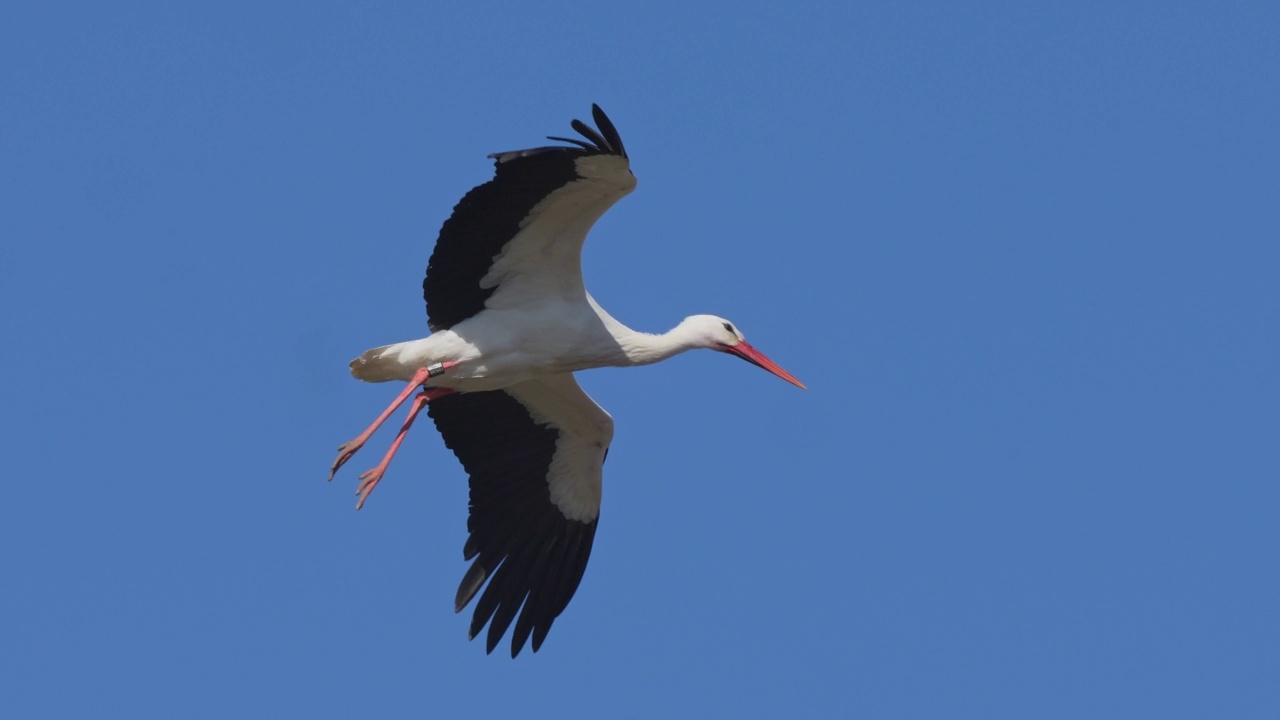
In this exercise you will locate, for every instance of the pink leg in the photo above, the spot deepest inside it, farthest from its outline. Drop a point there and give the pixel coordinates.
(347, 449)
(369, 480)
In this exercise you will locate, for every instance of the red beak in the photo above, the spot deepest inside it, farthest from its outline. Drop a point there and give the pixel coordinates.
(757, 358)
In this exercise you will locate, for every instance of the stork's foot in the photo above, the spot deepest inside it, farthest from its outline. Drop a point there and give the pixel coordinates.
(345, 451)
(370, 479)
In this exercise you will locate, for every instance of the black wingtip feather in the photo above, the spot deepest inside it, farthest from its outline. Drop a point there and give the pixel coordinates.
(470, 584)
(604, 140)
(610, 132)
(580, 143)
(590, 134)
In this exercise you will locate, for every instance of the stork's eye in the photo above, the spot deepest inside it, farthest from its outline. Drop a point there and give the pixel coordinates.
(729, 327)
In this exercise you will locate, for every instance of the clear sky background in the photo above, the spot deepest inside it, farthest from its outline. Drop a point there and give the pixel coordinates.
(1026, 259)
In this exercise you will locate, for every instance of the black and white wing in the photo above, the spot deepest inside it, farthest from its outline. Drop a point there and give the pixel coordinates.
(521, 233)
(534, 453)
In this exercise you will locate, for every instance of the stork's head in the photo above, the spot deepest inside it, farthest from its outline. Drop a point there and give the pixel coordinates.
(718, 334)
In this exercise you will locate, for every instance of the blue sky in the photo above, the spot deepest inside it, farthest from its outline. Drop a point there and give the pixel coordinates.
(1024, 257)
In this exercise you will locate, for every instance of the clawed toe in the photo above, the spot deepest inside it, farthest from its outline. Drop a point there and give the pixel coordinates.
(345, 451)
(368, 481)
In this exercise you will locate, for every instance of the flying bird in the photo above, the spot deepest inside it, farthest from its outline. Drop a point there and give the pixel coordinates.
(510, 323)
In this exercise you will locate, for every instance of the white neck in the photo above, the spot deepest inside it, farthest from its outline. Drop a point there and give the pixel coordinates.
(642, 348)
(639, 348)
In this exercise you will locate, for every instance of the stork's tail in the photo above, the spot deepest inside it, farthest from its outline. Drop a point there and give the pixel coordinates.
(378, 365)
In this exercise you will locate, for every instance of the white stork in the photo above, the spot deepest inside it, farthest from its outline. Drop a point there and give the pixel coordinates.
(510, 323)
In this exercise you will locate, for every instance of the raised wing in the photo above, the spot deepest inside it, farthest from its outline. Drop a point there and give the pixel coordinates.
(534, 453)
(521, 233)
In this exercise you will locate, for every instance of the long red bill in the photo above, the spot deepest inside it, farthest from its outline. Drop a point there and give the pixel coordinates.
(757, 358)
